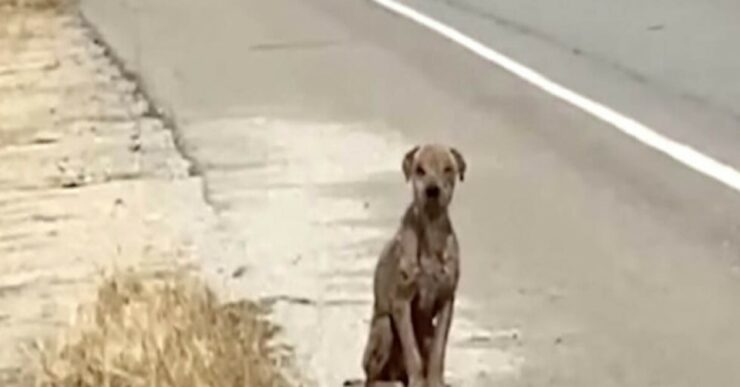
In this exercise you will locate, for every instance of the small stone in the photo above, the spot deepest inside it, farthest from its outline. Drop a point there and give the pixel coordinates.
(46, 137)
(480, 337)
(239, 272)
(53, 65)
(71, 183)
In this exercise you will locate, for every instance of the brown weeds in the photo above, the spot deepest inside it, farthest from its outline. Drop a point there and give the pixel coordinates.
(172, 332)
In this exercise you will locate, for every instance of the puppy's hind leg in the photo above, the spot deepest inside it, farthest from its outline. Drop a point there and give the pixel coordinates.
(378, 349)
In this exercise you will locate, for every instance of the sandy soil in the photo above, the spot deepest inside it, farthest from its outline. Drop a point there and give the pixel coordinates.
(90, 179)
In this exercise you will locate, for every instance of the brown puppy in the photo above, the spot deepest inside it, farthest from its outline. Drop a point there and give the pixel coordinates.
(416, 278)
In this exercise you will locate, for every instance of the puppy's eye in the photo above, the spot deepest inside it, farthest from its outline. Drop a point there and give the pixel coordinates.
(449, 170)
(420, 171)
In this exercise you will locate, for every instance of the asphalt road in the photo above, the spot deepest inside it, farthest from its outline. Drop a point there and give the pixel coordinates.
(616, 265)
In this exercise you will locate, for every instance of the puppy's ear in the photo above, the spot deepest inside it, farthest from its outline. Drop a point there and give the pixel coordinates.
(460, 161)
(408, 162)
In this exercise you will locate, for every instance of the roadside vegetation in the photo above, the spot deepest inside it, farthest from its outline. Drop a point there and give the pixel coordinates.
(164, 330)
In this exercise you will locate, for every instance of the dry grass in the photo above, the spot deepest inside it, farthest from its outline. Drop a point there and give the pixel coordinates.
(34, 4)
(14, 15)
(155, 331)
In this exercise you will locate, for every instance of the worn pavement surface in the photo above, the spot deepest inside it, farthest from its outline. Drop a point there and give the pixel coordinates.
(589, 260)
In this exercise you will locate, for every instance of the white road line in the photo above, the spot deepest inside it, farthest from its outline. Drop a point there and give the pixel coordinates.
(680, 152)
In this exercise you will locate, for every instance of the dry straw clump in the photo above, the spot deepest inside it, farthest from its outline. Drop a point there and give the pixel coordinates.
(168, 332)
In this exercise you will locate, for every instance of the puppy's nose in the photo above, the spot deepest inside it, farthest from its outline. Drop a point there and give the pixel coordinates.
(432, 192)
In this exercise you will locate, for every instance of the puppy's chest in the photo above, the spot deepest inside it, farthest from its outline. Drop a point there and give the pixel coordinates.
(436, 281)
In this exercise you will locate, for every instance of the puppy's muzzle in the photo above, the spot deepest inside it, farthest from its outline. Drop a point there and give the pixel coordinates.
(432, 192)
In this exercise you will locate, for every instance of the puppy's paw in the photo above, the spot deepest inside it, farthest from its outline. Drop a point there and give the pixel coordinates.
(419, 382)
(437, 383)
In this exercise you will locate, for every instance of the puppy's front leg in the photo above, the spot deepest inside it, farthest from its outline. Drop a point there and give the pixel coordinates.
(439, 344)
(405, 291)
(411, 354)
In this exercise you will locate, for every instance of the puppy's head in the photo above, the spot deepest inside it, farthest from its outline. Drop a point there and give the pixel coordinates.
(433, 171)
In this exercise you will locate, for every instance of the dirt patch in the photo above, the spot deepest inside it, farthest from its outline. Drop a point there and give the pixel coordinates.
(169, 330)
